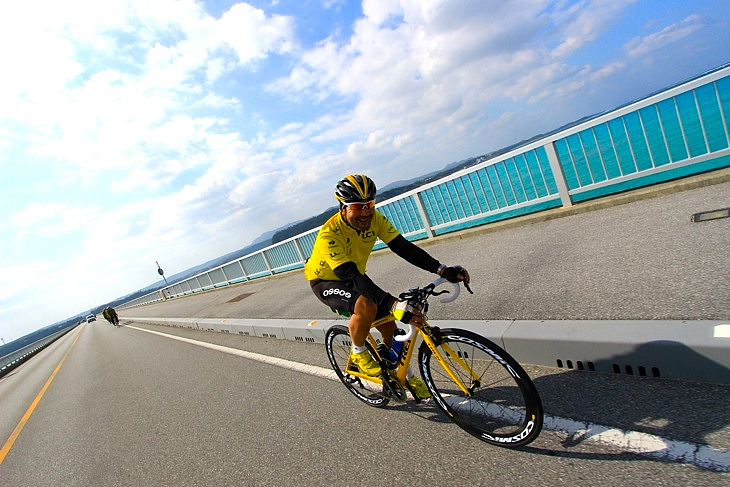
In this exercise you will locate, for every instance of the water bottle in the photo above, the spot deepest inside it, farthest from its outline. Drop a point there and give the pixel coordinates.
(396, 347)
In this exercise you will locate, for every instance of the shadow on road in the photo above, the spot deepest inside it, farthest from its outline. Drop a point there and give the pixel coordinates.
(695, 412)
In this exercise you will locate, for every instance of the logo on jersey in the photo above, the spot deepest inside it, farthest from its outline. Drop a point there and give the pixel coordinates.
(338, 292)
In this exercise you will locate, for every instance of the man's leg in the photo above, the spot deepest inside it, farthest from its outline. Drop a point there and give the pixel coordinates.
(361, 319)
(387, 330)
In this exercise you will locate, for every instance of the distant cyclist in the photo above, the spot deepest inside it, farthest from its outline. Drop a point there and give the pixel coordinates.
(111, 315)
(336, 270)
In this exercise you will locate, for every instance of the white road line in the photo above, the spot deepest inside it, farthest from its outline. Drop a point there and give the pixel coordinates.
(279, 362)
(630, 441)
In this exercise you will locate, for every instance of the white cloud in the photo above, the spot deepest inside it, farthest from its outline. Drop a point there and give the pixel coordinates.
(583, 22)
(640, 46)
(35, 212)
(52, 219)
(251, 34)
(378, 11)
(110, 117)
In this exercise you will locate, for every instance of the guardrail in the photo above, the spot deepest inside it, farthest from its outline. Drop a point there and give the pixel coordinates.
(12, 360)
(676, 133)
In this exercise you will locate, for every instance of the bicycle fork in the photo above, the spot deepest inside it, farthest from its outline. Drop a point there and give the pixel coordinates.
(428, 340)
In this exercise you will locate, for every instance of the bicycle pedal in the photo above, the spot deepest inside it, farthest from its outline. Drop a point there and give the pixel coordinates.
(393, 389)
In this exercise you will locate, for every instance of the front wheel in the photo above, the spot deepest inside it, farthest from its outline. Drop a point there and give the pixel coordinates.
(500, 406)
(338, 343)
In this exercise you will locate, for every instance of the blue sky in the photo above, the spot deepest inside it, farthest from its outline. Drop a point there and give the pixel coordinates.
(177, 131)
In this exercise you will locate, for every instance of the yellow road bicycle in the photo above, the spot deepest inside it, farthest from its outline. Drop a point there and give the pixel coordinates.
(471, 379)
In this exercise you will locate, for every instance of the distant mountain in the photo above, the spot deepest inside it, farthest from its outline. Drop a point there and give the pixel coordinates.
(399, 184)
(265, 237)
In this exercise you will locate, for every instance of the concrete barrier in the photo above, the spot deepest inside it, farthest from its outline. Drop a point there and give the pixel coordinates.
(689, 350)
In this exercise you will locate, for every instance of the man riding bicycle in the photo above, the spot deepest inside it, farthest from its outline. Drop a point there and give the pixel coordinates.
(336, 270)
(110, 315)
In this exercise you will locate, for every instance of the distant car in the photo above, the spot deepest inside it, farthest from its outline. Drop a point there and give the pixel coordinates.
(90, 318)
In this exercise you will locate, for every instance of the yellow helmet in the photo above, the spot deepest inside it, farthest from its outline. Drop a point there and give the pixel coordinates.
(355, 187)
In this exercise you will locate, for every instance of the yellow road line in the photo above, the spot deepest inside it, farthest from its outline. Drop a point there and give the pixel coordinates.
(16, 432)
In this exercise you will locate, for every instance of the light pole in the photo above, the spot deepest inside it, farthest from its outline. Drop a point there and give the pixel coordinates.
(161, 272)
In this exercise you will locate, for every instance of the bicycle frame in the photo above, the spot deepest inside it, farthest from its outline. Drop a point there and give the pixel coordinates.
(401, 370)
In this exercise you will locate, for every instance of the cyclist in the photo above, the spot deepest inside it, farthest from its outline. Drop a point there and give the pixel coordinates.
(336, 270)
(110, 315)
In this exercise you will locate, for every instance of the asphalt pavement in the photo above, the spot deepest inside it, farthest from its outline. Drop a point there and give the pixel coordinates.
(124, 406)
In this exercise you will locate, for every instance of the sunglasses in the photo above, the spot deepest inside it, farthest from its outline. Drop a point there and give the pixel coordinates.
(361, 206)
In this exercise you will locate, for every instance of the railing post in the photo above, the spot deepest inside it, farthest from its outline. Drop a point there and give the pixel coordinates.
(225, 276)
(424, 215)
(298, 248)
(558, 174)
(243, 269)
(266, 261)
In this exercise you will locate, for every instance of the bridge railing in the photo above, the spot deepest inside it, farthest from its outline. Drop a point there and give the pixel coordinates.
(676, 133)
(10, 361)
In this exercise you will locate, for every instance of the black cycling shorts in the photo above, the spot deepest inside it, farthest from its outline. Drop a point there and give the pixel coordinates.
(341, 297)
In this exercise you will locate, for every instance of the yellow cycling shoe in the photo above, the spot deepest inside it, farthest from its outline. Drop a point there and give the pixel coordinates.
(365, 363)
(418, 388)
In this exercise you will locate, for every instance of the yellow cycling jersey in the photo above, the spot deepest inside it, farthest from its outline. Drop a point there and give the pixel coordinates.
(337, 243)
